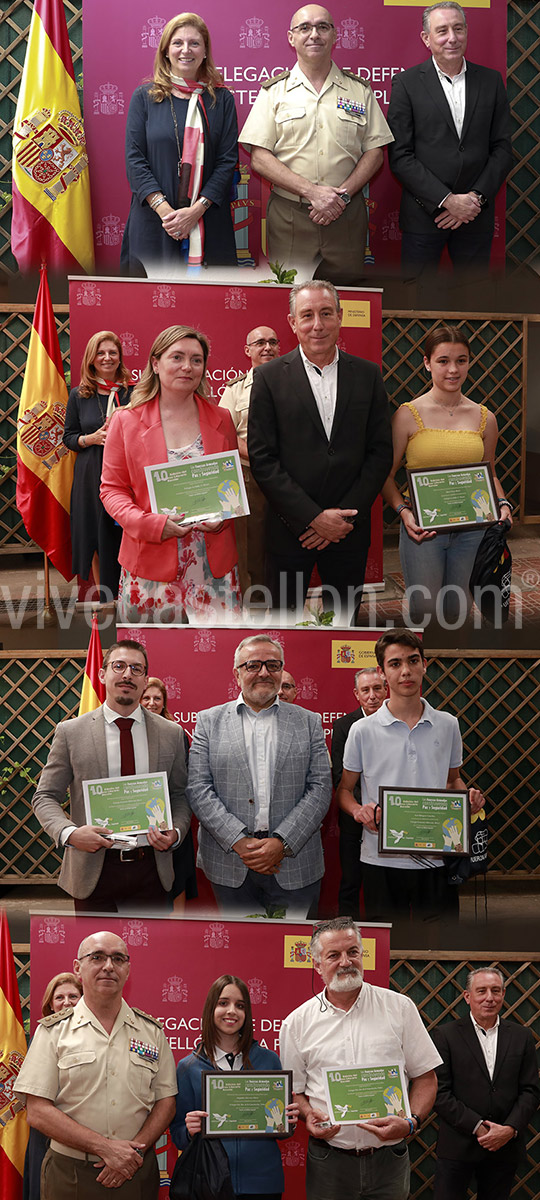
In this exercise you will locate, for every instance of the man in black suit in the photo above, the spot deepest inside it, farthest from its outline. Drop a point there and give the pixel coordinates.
(320, 448)
(488, 1092)
(369, 691)
(452, 149)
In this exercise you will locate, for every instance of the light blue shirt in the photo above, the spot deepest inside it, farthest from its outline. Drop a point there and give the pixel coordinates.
(260, 738)
(389, 754)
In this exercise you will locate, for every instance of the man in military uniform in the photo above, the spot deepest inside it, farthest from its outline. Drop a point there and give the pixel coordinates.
(316, 133)
(262, 344)
(99, 1080)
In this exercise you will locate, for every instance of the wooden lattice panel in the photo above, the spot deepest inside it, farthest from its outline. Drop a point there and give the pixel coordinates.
(496, 699)
(14, 27)
(36, 693)
(496, 378)
(15, 330)
(523, 186)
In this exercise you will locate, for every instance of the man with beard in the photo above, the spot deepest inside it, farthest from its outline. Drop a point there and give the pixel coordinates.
(352, 1023)
(120, 738)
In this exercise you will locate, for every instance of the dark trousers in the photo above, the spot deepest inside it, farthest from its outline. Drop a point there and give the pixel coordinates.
(341, 570)
(350, 842)
(64, 1178)
(130, 886)
(469, 252)
(396, 894)
(494, 1178)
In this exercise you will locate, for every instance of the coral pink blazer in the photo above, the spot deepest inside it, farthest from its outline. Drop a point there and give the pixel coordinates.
(135, 440)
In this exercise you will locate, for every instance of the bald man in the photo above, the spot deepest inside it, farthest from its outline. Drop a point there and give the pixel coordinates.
(99, 1080)
(262, 344)
(316, 133)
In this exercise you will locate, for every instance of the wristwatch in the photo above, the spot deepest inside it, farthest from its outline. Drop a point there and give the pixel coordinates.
(345, 197)
(287, 852)
(206, 203)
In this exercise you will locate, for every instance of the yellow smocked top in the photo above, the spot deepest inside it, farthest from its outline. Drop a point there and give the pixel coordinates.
(444, 447)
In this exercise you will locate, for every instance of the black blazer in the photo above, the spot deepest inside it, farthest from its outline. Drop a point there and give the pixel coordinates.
(299, 470)
(430, 160)
(467, 1095)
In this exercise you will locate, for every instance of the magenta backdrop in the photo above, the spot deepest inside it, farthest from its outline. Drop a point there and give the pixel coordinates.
(375, 40)
(173, 964)
(137, 310)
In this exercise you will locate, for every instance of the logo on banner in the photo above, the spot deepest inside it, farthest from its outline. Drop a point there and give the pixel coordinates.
(137, 635)
(52, 931)
(216, 936)
(163, 296)
(42, 432)
(294, 1155)
(130, 344)
(235, 298)
(308, 689)
(9, 1103)
(151, 33)
(89, 295)
(135, 933)
(369, 946)
(257, 991)
(254, 34)
(108, 101)
(204, 642)
(349, 35)
(109, 231)
(296, 951)
(174, 990)
(174, 691)
(353, 654)
(51, 152)
(233, 691)
(390, 227)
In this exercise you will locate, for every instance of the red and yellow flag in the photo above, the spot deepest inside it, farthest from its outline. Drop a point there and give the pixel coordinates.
(44, 464)
(51, 220)
(93, 690)
(13, 1127)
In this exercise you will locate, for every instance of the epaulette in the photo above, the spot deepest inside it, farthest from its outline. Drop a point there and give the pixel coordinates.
(147, 1016)
(237, 379)
(357, 78)
(54, 1017)
(275, 79)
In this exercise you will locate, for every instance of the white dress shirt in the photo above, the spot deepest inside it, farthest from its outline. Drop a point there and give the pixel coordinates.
(323, 383)
(260, 739)
(488, 1039)
(454, 90)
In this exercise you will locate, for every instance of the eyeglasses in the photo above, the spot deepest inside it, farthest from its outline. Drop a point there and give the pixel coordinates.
(263, 342)
(307, 26)
(288, 687)
(100, 958)
(254, 665)
(120, 667)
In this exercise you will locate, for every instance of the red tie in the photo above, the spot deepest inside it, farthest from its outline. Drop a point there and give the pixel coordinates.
(127, 753)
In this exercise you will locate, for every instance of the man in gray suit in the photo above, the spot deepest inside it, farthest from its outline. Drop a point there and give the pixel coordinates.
(100, 877)
(259, 782)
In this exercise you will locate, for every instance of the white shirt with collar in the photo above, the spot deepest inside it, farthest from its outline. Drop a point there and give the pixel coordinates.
(389, 754)
(323, 383)
(488, 1039)
(454, 90)
(222, 1062)
(381, 1027)
(260, 738)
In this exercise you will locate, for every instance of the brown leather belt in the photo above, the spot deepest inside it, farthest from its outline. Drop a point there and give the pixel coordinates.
(134, 855)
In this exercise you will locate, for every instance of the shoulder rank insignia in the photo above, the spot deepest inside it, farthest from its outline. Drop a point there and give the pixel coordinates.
(53, 1018)
(275, 79)
(147, 1016)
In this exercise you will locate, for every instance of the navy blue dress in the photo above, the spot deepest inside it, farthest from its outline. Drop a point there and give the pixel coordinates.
(152, 166)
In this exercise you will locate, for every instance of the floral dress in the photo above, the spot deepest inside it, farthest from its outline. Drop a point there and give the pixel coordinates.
(195, 595)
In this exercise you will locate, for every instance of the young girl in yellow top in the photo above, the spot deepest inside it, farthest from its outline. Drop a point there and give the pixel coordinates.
(442, 428)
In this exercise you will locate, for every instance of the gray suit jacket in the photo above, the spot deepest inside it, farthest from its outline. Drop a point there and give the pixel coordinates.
(220, 792)
(79, 752)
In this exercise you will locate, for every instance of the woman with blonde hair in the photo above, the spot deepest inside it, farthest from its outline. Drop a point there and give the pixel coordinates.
(172, 570)
(181, 158)
(103, 387)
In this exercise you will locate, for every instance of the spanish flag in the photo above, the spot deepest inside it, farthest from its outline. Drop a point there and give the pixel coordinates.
(13, 1127)
(93, 690)
(51, 220)
(44, 464)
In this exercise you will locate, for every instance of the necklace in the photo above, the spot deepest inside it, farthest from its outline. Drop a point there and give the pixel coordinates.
(449, 409)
